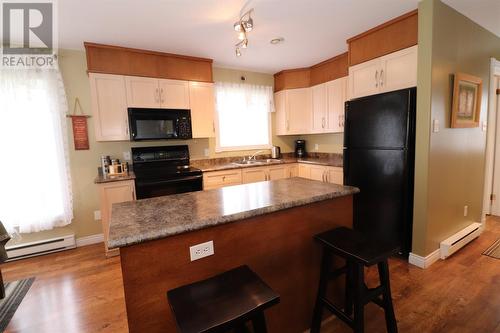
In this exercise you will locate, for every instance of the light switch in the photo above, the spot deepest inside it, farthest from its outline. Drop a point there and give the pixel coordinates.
(484, 126)
(126, 156)
(97, 215)
(205, 152)
(316, 147)
(435, 125)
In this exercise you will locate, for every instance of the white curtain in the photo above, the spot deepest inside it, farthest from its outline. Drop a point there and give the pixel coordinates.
(35, 184)
(243, 115)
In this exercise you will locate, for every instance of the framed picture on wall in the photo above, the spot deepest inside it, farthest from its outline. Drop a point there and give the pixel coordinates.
(466, 105)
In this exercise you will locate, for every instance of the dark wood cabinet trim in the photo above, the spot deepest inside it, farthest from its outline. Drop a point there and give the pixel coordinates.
(111, 59)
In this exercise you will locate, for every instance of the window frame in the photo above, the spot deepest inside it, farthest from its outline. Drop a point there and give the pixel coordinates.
(219, 149)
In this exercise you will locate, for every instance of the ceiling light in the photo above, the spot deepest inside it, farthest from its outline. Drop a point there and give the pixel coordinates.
(244, 25)
(277, 40)
(242, 35)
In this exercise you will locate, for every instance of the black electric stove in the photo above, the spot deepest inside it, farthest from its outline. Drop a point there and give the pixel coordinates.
(164, 170)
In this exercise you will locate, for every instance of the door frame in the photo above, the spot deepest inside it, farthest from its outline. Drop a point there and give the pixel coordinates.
(491, 138)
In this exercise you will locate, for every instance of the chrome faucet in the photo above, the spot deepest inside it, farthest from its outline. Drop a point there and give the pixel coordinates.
(254, 154)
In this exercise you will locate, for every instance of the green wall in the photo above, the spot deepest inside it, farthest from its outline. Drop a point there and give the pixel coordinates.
(84, 163)
(450, 163)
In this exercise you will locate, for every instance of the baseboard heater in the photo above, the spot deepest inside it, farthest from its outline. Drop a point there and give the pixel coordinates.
(459, 240)
(37, 248)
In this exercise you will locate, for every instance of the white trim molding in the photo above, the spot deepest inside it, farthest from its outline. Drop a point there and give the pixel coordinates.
(89, 240)
(424, 262)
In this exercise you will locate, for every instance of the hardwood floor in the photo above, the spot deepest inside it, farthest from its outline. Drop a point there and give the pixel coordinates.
(81, 291)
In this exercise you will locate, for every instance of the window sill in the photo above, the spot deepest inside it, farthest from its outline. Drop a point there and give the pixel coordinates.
(241, 148)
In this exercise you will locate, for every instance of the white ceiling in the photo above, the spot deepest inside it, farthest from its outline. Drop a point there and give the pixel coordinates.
(314, 30)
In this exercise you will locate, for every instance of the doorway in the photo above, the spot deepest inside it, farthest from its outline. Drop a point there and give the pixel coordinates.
(491, 203)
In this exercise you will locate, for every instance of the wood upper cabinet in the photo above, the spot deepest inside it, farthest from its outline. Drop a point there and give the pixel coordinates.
(319, 107)
(337, 96)
(391, 72)
(364, 78)
(174, 94)
(293, 111)
(110, 193)
(399, 70)
(109, 107)
(202, 103)
(281, 117)
(144, 92)
(298, 111)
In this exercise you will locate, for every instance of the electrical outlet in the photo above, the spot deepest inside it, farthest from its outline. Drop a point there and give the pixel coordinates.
(205, 152)
(466, 210)
(126, 156)
(484, 126)
(316, 147)
(201, 250)
(97, 215)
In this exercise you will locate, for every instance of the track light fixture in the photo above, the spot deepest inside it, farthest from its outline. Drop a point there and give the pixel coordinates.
(243, 26)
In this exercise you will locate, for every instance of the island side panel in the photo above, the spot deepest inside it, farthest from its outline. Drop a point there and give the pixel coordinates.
(279, 247)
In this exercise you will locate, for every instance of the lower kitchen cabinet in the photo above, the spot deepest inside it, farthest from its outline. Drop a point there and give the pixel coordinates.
(263, 173)
(327, 174)
(110, 193)
(216, 179)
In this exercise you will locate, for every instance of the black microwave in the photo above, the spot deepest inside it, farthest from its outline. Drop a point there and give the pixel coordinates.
(159, 124)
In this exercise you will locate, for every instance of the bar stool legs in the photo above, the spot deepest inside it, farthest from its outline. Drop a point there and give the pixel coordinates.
(390, 318)
(359, 304)
(322, 288)
(357, 295)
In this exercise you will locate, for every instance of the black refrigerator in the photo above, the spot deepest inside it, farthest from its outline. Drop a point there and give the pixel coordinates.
(379, 159)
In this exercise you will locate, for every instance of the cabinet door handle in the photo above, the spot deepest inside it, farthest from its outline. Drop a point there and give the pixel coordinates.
(287, 125)
(223, 178)
(213, 126)
(376, 79)
(126, 126)
(161, 96)
(381, 77)
(323, 122)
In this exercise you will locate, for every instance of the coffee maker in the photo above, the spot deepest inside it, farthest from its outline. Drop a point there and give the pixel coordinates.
(300, 148)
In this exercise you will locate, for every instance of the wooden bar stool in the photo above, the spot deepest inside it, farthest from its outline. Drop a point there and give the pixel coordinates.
(222, 303)
(358, 251)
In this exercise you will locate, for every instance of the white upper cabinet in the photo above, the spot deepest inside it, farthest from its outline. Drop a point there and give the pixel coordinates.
(299, 111)
(142, 92)
(319, 108)
(397, 70)
(364, 78)
(174, 94)
(337, 96)
(109, 107)
(202, 103)
(328, 101)
(280, 107)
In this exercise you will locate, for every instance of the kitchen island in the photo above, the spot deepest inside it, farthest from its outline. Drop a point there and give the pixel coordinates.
(268, 226)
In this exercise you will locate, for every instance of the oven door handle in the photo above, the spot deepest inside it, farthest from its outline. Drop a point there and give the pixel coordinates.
(170, 181)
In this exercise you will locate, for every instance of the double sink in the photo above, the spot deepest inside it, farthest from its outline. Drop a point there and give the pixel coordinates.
(259, 162)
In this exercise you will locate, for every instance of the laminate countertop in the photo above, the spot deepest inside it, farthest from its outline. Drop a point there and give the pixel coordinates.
(100, 179)
(144, 220)
(213, 165)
